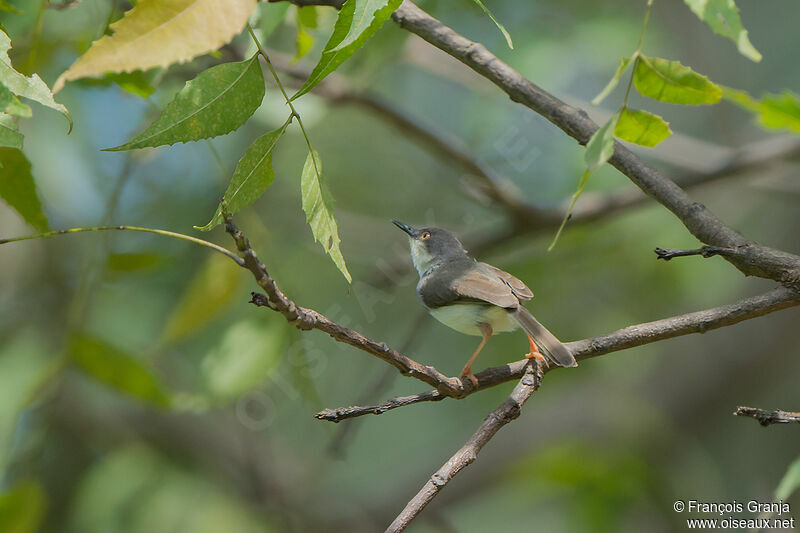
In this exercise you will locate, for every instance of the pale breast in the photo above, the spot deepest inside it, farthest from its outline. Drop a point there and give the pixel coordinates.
(465, 318)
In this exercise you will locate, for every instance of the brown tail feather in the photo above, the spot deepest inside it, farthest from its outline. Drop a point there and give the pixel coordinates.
(550, 346)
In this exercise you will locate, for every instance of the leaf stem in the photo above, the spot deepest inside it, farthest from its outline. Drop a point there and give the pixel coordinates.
(295, 114)
(637, 54)
(238, 260)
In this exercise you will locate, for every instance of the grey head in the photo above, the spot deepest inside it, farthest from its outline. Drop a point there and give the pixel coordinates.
(432, 246)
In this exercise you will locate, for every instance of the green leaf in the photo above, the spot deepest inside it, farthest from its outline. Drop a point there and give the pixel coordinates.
(248, 354)
(117, 369)
(790, 481)
(669, 81)
(773, 111)
(332, 55)
(10, 104)
(158, 33)
(496, 23)
(780, 111)
(623, 66)
(363, 14)
(740, 98)
(216, 102)
(22, 508)
(137, 82)
(641, 127)
(9, 132)
(253, 175)
(318, 207)
(206, 296)
(600, 147)
(32, 88)
(306, 20)
(722, 16)
(307, 15)
(18, 189)
(304, 40)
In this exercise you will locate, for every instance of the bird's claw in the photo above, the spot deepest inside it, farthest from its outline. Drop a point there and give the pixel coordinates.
(468, 374)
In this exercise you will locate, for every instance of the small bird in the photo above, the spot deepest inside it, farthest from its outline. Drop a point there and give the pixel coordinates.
(475, 298)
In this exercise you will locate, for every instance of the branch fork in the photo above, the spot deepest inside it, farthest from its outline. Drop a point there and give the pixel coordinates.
(749, 257)
(528, 372)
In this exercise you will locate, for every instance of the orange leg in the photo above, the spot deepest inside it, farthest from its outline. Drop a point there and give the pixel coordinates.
(536, 353)
(486, 329)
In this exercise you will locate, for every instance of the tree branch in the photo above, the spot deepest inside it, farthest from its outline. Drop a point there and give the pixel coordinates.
(507, 411)
(749, 257)
(622, 339)
(338, 91)
(528, 217)
(305, 319)
(755, 259)
(765, 418)
(532, 375)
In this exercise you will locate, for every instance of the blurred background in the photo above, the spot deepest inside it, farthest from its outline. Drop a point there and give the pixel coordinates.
(188, 409)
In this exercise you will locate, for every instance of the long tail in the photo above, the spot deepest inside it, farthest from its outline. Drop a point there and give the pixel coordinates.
(550, 346)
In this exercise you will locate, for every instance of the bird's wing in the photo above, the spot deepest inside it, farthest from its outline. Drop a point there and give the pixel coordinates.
(519, 289)
(483, 284)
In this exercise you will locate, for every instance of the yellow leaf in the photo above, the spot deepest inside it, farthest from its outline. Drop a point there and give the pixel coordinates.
(157, 33)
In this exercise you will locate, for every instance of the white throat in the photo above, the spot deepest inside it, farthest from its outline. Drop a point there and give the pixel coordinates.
(420, 256)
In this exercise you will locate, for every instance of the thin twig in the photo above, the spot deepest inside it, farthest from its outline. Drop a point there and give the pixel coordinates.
(622, 339)
(706, 251)
(765, 417)
(343, 413)
(306, 319)
(345, 432)
(466, 455)
(161, 232)
(295, 114)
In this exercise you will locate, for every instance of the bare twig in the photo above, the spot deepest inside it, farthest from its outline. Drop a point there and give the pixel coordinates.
(765, 417)
(343, 413)
(371, 393)
(505, 413)
(706, 251)
(622, 339)
(163, 233)
(305, 319)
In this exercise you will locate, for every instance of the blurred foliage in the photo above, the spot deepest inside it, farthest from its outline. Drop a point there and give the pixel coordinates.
(139, 391)
(22, 508)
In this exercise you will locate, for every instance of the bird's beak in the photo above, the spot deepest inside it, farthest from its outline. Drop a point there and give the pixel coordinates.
(405, 227)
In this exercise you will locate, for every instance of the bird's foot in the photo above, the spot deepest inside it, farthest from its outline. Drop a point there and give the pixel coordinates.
(536, 354)
(467, 373)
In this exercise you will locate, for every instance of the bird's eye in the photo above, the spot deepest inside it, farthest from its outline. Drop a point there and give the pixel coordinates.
(425, 235)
